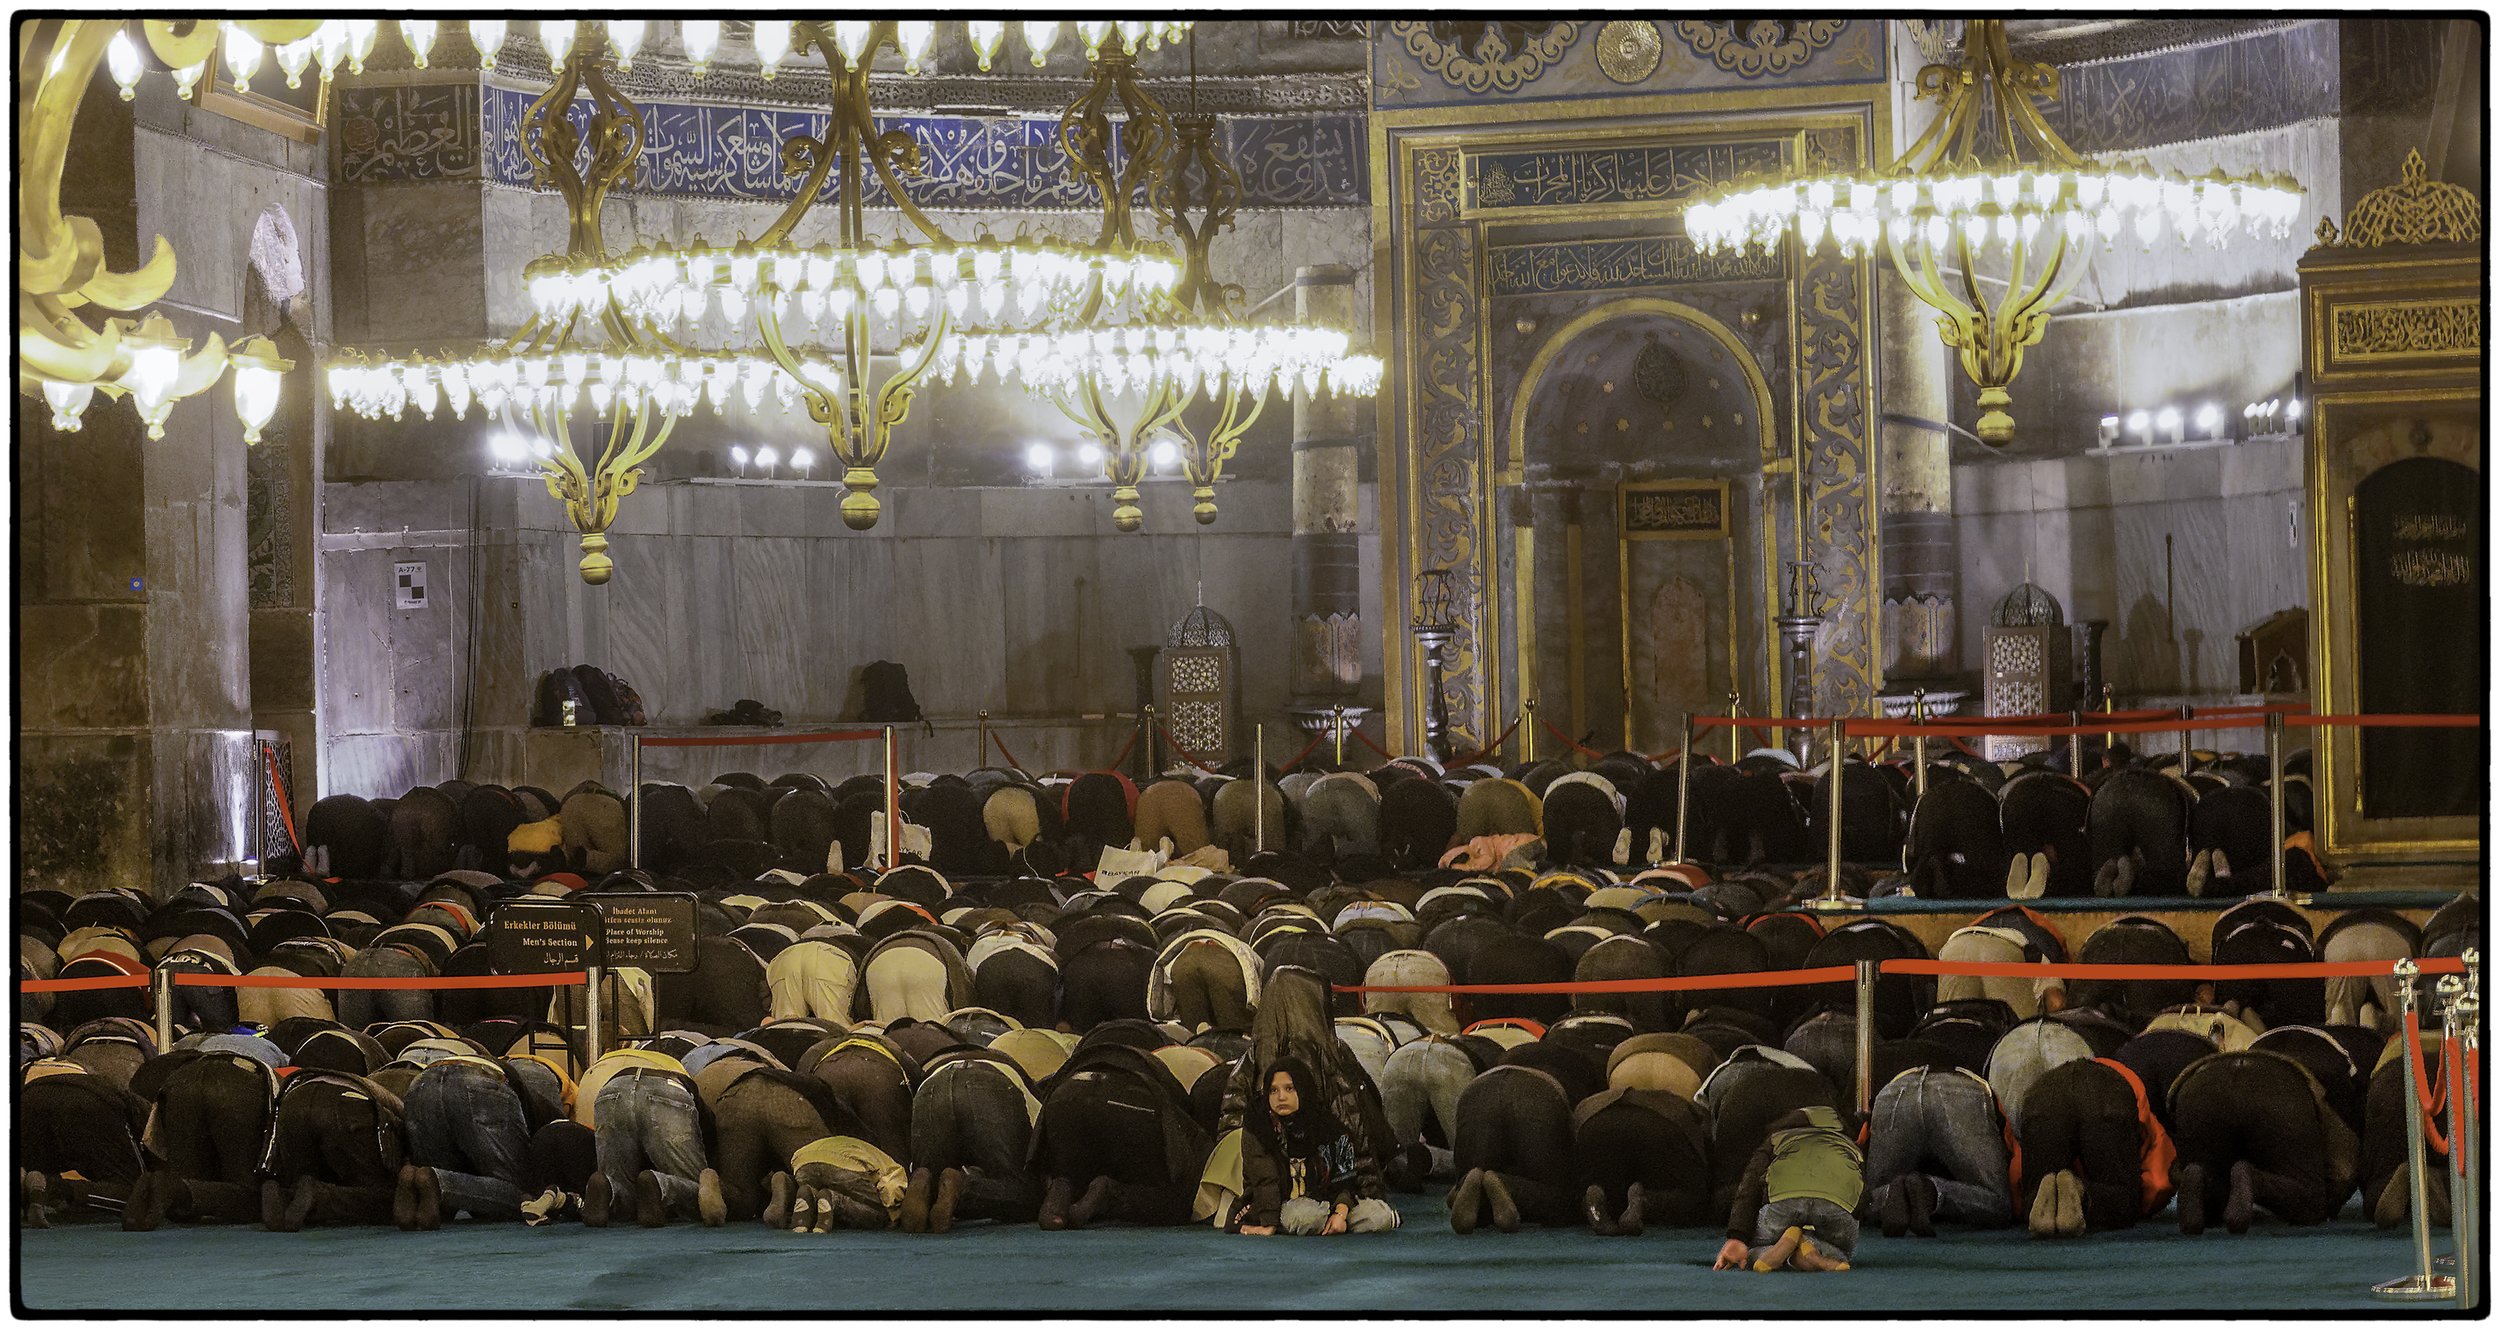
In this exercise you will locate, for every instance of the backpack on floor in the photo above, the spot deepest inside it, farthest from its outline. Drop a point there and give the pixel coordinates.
(889, 693)
(558, 687)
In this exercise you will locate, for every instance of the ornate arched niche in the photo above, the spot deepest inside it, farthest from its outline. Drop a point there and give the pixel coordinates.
(1640, 428)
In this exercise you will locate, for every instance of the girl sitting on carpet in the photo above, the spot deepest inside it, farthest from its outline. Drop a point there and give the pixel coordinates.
(1799, 1198)
(1297, 1166)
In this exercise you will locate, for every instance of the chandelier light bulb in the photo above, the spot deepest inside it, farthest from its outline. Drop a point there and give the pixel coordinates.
(419, 33)
(557, 35)
(69, 403)
(772, 44)
(122, 58)
(361, 34)
(625, 36)
(1040, 35)
(488, 34)
(986, 36)
(701, 37)
(243, 51)
(915, 36)
(294, 58)
(258, 374)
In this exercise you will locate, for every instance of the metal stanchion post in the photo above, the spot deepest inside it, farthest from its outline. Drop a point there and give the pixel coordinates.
(633, 805)
(1831, 899)
(1918, 748)
(1735, 732)
(893, 807)
(2274, 799)
(1527, 730)
(1683, 789)
(1146, 739)
(161, 996)
(1259, 765)
(981, 740)
(2458, 1011)
(2426, 1284)
(1866, 1037)
(594, 1014)
(2074, 745)
(1336, 731)
(2109, 706)
(2187, 752)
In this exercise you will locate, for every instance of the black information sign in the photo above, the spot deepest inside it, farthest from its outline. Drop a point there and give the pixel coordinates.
(527, 936)
(649, 930)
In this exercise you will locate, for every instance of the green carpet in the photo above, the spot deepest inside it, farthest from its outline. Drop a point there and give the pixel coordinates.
(1423, 1268)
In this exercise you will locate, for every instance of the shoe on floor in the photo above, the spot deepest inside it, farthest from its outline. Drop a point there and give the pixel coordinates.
(1777, 1254)
(2043, 1218)
(1593, 1211)
(429, 1200)
(1919, 1198)
(916, 1197)
(1635, 1205)
(802, 1209)
(710, 1206)
(1056, 1200)
(599, 1201)
(650, 1204)
(1499, 1207)
(299, 1208)
(2240, 1209)
(2069, 1205)
(950, 1192)
(777, 1201)
(1467, 1202)
(1089, 1206)
(2190, 1183)
(404, 1199)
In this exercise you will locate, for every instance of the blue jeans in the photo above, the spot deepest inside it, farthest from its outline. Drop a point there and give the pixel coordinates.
(464, 1121)
(1833, 1229)
(650, 1122)
(1943, 1124)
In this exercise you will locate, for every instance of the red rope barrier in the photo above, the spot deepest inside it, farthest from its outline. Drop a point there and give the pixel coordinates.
(1480, 754)
(1954, 727)
(1182, 753)
(1002, 751)
(1567, 739)
(2431, 1135)
(285, 814)
(1829, 974)
(1125, 750)
(1365, 740)
(743, 740)
(1316, 741)
(87, 985)
(561, 979)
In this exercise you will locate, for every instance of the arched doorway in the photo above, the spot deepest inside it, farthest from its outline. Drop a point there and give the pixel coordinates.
(1639, 436)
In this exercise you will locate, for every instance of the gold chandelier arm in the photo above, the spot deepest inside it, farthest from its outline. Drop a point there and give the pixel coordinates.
(181, 43)
(276, 32)
(57, 255)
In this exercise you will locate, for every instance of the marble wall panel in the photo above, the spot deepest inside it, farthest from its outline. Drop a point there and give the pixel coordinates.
(187, 196)
(1043, 651)
(83, 811)
(380, 766)
(429, 656)
(947, 596)
(77, 514)
(82, 666)
(355, 659)
(773, 609)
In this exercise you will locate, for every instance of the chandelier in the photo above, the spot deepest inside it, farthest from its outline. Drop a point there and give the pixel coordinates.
(1991, 179)
(1128, 362)
(60, 258)
(856, 294)
(614, 334)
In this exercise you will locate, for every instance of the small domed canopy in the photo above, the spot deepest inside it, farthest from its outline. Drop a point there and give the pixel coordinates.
(1201, 627)
(2028, 606)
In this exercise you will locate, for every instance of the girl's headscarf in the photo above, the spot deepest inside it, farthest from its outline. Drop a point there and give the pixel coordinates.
(1311, 1144)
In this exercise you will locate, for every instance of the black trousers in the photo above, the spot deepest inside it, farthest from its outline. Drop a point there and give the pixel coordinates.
(874, 1089)
(971, 1117)
(760, 1124)
(327, 1133)
(1104, 982)
(2255, 1108)
(1023, 988)
(212, 1120)
(1517, 1124)
(562, 1154)
(78, 1124)
(1624, 1143)
(1101, 1127)
(2081, 1116)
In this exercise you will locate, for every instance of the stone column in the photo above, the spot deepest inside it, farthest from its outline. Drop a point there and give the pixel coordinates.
(1327, 554)
(1915, 535)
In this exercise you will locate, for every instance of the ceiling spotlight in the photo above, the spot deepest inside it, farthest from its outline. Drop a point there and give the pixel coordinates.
(1037, 458)
(738, 454)
(2291, 409)
(767, 458)
(2139, 421)
(1089, 454)
(2209, 420)
(1165, 454)
(802, 461)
